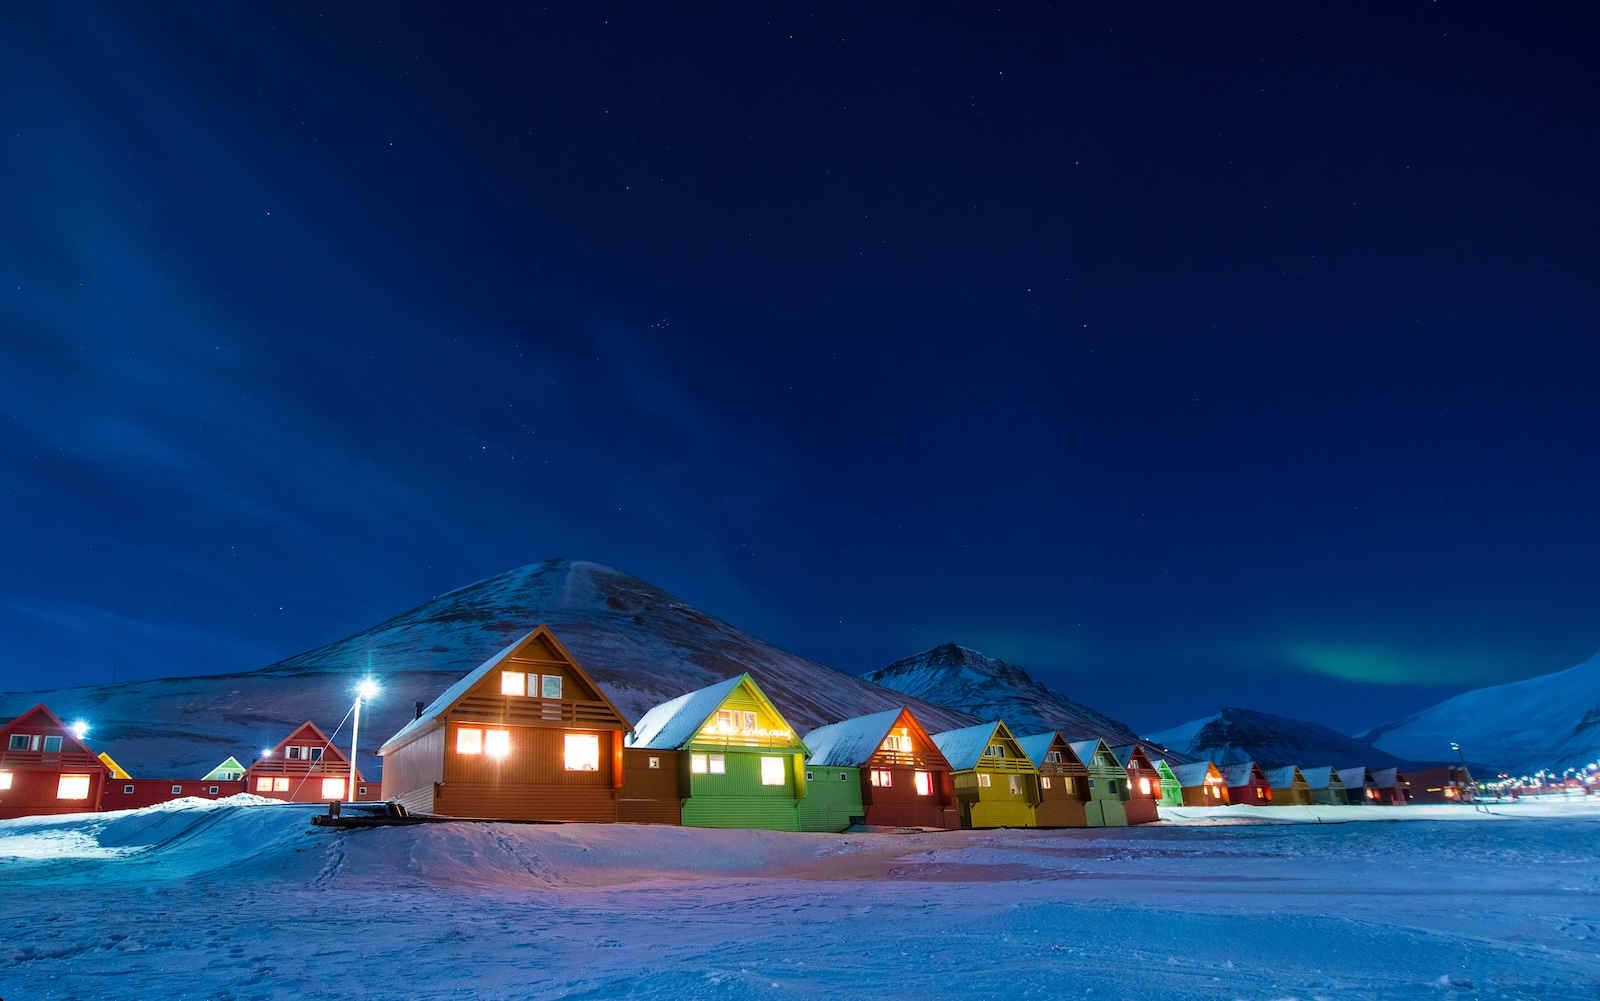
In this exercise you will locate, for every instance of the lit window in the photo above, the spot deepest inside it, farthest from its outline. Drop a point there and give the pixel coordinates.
(1016, 784)
(280, 784)
(314, 753)
(52, 745)
(583, 752)
(513, 683)
(5, 781)
(697, 764)
(127, 790)
(724, 720)
(719, 765)
(1067, 784)
(73, 787)
(19, 742)
(1044, 782)
(333, 788)
(898, 740)
(654, 762)
(550, 686)
(924, 783)
(263, 784)
(177, 790)
(983, 779)
(1144, 787)
(497, 743)
(882, 777)
(750, 722)
(469, 740)
(772, 771)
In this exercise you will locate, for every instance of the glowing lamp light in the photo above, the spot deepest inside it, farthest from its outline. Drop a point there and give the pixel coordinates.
(80, 729)
(266, 752)
(367, 688)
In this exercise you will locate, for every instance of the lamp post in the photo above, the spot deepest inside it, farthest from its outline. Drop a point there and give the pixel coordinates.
(366, 689)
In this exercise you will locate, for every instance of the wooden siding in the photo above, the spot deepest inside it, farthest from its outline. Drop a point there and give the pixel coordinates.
(132, 794)
(996, 805)
(526, 801)
(650, 795)
(36, 773)
(413, 768)
(833, 799)
(737, 798)
(898, 805)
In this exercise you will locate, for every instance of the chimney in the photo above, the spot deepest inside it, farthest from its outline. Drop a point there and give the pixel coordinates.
(419, 710)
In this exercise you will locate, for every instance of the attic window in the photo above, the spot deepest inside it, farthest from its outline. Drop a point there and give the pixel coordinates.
(898, 740)
(1054, 758)
(994, 751)
(924, 783)
(295, 753)
(73, 787)
(19, 742)
(52, 745)
(550, 686)
(513, 683)
(314, 753)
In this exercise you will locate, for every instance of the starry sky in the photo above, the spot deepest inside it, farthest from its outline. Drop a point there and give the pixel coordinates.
(1237, 356)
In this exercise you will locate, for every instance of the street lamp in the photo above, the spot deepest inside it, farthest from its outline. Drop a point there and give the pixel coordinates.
(365, 689)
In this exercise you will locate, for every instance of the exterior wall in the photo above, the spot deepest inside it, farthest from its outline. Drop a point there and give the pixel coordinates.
(410, 772)
(132, 794)
(1061, 805)
(737, 798)
(996, 805)
(833, 799)
(1171, 792)
(1298, 794)
(34, 776)
(1331, 795)
(531, 782)
(1254, 794)
(649, 795)
(1196, 796)
(305, 781)
(1450, 784)
(1108, 794)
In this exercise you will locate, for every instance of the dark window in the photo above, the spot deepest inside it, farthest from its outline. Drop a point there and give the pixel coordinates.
(361, 790)
(52, 745)
(176, 790)
(19, 742)
(127, 789)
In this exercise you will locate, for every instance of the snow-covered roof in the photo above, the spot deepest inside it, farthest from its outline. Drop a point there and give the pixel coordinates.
(1237, 775)
(448, 698)
(1281, 778)
(674, 723)
(1193, 774)
(1320, 777)
(1353, 778)
(963, 747)
(1085, 749)
(1036, 745)
(1124, 753)
(1386, 778)
(849, 743)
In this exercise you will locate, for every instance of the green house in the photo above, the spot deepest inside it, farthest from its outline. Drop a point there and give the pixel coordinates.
(1108, 784)
(1171, 788)
(833, 798)
(228, 771)
(740, 761)
(996, 784)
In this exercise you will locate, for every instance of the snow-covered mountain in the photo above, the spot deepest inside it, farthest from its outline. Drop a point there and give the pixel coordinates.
(1552, 721)
(1237, 735)
(989, 688)
(640, 643)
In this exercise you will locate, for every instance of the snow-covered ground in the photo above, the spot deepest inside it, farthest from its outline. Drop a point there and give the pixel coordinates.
(245, 900)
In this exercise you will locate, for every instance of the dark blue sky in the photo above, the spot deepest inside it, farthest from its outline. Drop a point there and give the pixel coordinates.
(1246, 357)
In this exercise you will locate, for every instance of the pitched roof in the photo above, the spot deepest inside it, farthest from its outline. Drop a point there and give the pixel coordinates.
(230, 764)
(963, 747)
(1237, 775)
(1085, 749)
(1353, 778)
(1320, 777)
(1037, 745)
(1282, 778)
(674, 723)
(849, 743)
(1387, 778)
(117, 771)
(1193, 774)
(1124, 753)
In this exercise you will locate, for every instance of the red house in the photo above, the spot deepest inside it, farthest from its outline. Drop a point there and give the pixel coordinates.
(305, 767)
(46, 768)
(905, 780)
(1144, 784)
(1247, 784)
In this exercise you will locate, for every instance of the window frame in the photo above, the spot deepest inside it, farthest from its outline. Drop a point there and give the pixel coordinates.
(585, 739)
(769, 763)
(984, 781)
(546, 688)
(62, 786)
(923, 783)
(53, 738)
(469, 740)
(518, 687)
(716, 764)
(19, 742)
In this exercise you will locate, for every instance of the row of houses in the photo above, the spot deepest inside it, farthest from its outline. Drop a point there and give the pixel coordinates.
(529, 735)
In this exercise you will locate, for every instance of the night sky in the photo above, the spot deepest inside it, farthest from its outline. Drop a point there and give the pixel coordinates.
(1238, 354)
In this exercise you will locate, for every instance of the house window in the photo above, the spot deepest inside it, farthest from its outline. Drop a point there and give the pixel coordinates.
(5, 781)
(280, 784)
(1091, 782)
(1067, 784)
(361, 790)
(1016, 784)
(497, 743)
(513, 683)
(772, 771)
(983, 780)
(883, 778)
(924, 783)
(1044, 782)
(994, 751)
(1116, 789)
(127, 790)
(73, 787)
(718, 764)
(845, 777)
(52, 745)
(177, 790)
(898, 740)
(697, 764)
(1054, 757)
(314, 753)
(333, 788)
(583, 752)
(212, 790)
(654, 762)
(808, 776)
(263, 784)
(295, 753)
(19, 742)
(724, 720)
(469, 740)
(1144, 787)
(550, 686)
(1259, 793)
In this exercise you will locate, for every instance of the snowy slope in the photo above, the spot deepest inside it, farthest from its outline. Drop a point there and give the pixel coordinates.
(1552, 721)
(991, 689)
(640, 643)
(1233, 736)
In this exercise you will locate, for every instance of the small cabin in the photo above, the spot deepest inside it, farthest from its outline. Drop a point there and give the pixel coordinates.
(1171, 788)
(1063, 780)
(46, 768)
(305, 767)
(1144, 783)
(1289, 786)
(739, 761)
(1247, 784)
(1445, 784)
(1358, 787)
(1202, 784)
(902, 779)
(1327, 788)
(526, 735)
(1391, 787)
(996, 784)
(1108, 784)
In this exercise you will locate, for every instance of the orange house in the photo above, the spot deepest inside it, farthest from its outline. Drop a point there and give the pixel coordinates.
(45, 768)
(306, 767)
